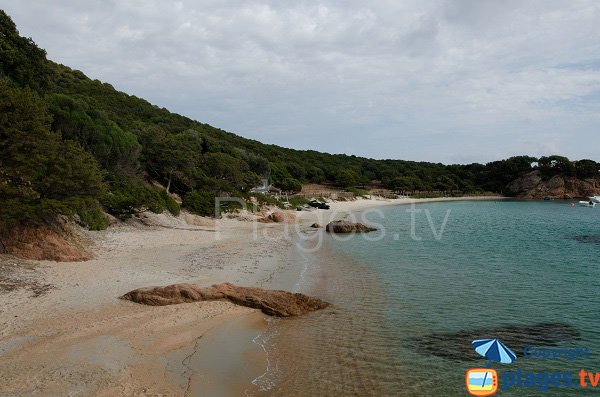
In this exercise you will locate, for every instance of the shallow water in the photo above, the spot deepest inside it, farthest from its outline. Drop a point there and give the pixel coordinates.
(404, 308)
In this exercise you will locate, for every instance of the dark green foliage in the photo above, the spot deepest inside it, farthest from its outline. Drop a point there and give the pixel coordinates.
(93, 217)
(20, 59)
(173, 158)
(291, 185)
(78, 121)
(170, 204)
(200, 203)
(129, 195)
(296, 201)
(40, 174)
(357, 192)
(587, 169)
(556, 165)
(346, 177)
(264, 199)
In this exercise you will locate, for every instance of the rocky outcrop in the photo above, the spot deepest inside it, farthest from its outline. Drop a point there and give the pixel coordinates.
(315, 226)
(271, 302)
(348, 227)
(533, 186)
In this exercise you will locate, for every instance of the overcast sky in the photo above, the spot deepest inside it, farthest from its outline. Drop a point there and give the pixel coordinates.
(446, 81)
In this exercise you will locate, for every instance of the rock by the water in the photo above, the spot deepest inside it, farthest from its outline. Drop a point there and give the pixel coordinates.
(272, 302)
(315, 226)
(533, 185)
(348, 227)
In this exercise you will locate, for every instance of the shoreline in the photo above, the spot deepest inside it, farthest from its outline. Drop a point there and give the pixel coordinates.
(78, 330)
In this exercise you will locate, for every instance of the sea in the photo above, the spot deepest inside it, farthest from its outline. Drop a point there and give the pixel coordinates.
(408, 300)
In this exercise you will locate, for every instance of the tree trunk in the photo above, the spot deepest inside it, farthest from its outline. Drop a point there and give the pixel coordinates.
(169, 183)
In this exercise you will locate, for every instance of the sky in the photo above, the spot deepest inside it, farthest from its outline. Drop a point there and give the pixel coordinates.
(451, 81)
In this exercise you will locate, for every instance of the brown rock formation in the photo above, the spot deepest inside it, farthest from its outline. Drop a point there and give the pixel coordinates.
(315, 226)
(348, 227)
(277, 217)
(532, 185)
(271, 302)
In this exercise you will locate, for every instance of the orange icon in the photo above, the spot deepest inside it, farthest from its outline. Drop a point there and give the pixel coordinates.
(481, 382)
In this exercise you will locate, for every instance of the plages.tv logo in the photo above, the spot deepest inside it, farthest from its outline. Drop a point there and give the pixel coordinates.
(484, 381)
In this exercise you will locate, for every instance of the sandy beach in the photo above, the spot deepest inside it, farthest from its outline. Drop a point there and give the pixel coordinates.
(63, 330)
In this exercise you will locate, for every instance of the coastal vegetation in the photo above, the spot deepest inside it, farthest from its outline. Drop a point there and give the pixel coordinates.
(73, 146)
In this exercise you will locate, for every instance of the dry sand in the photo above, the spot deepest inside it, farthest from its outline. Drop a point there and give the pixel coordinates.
(64, 332)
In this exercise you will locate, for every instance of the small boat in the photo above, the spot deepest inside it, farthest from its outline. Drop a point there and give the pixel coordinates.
(595, 199)
(587, 203)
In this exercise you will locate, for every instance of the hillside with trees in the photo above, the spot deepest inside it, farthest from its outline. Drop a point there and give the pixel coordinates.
(77, 147)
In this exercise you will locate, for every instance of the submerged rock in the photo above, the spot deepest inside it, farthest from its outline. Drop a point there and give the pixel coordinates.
(271, 302)
(348, 227)
(457, 346)
(590, 239)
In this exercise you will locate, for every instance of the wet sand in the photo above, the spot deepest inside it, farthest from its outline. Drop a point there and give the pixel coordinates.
(77, 338)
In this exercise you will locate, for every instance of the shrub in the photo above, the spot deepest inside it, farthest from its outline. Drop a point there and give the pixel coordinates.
(297, 201)
(264, 199)
(200, 203)
(170, 203)
(291, 185)
(357, 192)
(93, 218)
(129, 195)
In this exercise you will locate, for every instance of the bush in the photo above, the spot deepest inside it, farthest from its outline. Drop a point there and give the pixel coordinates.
(170, 203)
(264, 199)
(200, 203)
(291, 185)
(93, 218)
(297, 201)
(129, 195)
(357, 192)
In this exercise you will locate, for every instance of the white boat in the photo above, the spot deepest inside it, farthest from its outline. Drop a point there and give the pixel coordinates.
(595, 199)
(587, 203)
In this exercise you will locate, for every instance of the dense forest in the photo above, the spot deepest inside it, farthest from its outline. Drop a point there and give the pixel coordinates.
(75, 146)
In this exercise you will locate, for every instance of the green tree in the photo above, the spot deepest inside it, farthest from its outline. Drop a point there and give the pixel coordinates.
(228, 168)
(78, 121)
(346, 178)
(587, 169)
(291, 185)
(21, 60)
(200, 203)
(41, 175)
(172, 157)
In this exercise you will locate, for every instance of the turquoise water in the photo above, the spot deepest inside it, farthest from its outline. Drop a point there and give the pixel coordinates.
(399, 301)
